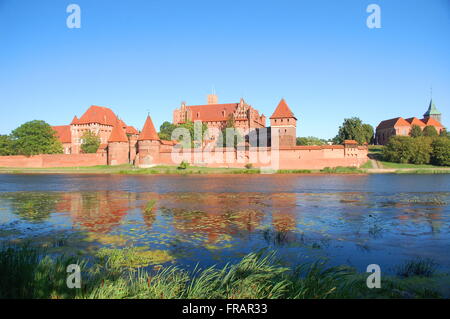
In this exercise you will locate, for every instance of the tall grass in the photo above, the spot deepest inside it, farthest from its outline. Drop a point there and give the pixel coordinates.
(26, 272)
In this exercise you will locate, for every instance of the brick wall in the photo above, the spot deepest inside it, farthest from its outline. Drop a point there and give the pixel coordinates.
(53, 160)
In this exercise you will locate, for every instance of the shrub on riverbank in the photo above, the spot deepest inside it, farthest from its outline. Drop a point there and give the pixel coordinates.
(27, 272)
(418, 150)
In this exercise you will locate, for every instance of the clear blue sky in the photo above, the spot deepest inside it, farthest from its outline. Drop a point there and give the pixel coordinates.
(135, 56)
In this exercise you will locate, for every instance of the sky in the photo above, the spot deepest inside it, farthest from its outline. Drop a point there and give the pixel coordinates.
(140, 57)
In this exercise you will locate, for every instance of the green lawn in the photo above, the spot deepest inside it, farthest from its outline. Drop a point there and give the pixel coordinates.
(400, 165)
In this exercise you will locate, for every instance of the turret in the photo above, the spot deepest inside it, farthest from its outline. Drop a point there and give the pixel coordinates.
(118, 146)
(148, 144)
(284, 124)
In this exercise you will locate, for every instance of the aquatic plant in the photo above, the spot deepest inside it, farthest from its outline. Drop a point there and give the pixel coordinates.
(27, 272)
(424, 267)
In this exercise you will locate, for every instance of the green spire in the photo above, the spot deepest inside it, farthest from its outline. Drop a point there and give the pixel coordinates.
(432, 110)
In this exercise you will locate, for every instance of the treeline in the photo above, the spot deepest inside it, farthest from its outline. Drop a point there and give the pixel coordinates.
(418, 150)
(31, 138)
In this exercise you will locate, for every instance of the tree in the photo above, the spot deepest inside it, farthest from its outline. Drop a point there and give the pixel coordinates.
(399, 149)
(444, 133)
(430, 131)
(421, 150)
(35, 137)
(367, 133)
(354, 129)
(416, 131)
(310, 140)
(441, 151)
(6, 147)
(91, 142)
(165, 130)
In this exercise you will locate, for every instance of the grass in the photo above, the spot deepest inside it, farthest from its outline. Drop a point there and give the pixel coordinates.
(423, 267)
(27, 272)
(342, 170)
(401, 165)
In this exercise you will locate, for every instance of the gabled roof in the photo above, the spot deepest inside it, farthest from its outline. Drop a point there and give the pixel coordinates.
(148, 132)
(63, 133)
(432, 110)
(398, 121)
(350, 142)
(432, 121)
(415, 121)
(282, 111)
(212, 112)
(118, 134)
(100, 115)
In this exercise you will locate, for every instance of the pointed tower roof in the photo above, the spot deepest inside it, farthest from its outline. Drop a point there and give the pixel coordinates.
(118, 134)
(75, 120)
(282, 111)
(432, 110)
(148, 132)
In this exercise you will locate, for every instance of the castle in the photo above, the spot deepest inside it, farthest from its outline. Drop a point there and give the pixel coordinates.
(401, 126)
(275, 146)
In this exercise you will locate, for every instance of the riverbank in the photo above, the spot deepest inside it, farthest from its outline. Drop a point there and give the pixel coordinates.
(156, 170)
(27, 272)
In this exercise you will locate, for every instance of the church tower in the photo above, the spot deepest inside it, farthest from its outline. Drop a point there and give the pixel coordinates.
(433, 112)
(284, 123)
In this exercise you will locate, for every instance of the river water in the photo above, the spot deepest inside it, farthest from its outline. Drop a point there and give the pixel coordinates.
(214, 219)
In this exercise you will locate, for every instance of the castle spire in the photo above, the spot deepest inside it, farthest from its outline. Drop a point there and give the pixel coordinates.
(148, 132)
(432, 112)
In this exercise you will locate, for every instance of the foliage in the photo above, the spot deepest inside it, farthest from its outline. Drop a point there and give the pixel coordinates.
(341, 170)
(35, 137)
(425, 267)
(419, 150)
(354, 129)
(416, 131)
(441, 152)
(249, 166)
(91, 142)
(165, 130)
(6, 145)
(430, 131)
(183, 165)
(310, 140)
(27, 272)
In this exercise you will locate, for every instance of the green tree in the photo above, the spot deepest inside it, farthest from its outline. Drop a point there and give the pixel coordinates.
(444, 133)
(399, 149)
(367, 133)
(165, 130)
(430, 131)
(421, 150)
(416, 131)
(35, 137)
(91, 142)
(6, 147)
(441, 151)
(354, 129)
(310, 140)
(229, 130)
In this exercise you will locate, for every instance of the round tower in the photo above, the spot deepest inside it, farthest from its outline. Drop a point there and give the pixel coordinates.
(148, 145)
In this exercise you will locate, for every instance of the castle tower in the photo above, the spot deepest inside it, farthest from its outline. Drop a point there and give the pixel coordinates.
(148, 144)
(118, 146)
(213, 99)
(432, 112)
(284, 124)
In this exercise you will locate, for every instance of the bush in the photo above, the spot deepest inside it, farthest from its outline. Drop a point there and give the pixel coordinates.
(249, 166)
(441, 151)
(421, 150)
(183, 165)
(399, 149)
(91, 142)
(430, 131)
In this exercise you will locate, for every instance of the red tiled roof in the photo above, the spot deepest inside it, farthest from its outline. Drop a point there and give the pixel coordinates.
(431, 121)
(75, 120)
(168, 142)
(100, 115)
(118, 134)
(63, 133)
(415, 121)
(350, 142)
(282, 111)
(132, 130)
(211, 112)
(398, 121)
(148, 132)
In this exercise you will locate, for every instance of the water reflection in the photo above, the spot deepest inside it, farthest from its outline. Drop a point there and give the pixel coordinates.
(209, 227)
